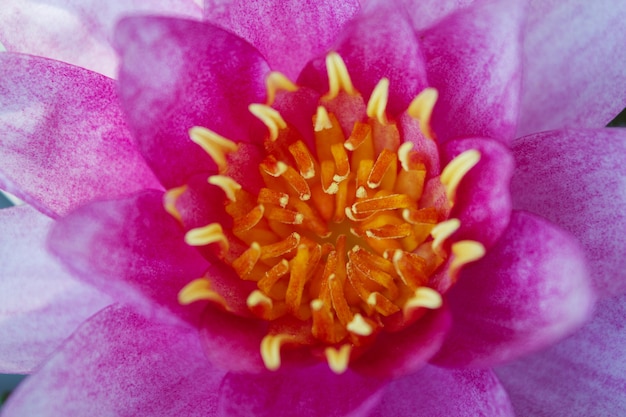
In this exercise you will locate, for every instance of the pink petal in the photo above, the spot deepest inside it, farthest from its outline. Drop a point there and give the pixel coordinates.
(573, 72)
(369, 56)
(576, 180)
(287, 32)
(585, 375)
(176, 74)
(402, 353)
(474, 60)
(120, 364)
(308, 392)
(131, 249)
(76, 31)
(529, 291)
(40, 303)
(438, 392)
(64, 141)
(424, 13)
(483, 200)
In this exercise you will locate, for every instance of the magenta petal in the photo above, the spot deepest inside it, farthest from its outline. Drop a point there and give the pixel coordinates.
(576, 180)
(176, 74)
(483, 200)
(474, 60)
(529, 291)
(63, 137)
(308, 392)
(76, 31)
(585, 375)
(438, 392)
(369, 56)
(120, 364)
(40, 303)
(131, 249)
(287, 32)
(573, 65)
(401, 353)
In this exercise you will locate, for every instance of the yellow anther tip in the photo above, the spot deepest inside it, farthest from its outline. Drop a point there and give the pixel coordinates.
(270, 117)
(275, 82)
(464, 252)
(421, 108)
(338, 76)
(338, 359)
(377, 103)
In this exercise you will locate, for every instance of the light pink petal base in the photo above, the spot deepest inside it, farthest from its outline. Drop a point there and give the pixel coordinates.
(529, 291)
(573, 64)
(577, 180)
(63, 136)
(77, 31)
(120, 364)
(307, 392)
(438, 392)
(40, 303)
(585, 375)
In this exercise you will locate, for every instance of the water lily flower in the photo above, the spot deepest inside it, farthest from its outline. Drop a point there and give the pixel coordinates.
(317, 208)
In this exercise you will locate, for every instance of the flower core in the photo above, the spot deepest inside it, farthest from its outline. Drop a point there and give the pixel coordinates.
(346, 237)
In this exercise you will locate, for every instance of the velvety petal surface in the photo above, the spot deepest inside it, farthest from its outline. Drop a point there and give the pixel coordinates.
(131, 249)
(577, 179)
(307, 392)
(287, 32)
(482, 200)
(369, 55)
(573, 65)
(121, 364)
(585, 375)
(529, 291)
(474, 61)
(422, 13)
(176, 74)
(40, 303)
(63, 136)
(77, 31)
(439, 392)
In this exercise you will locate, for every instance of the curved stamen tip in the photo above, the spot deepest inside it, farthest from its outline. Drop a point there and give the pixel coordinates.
(199, 290)
(227, 184)
(359, 326)
(421, 108)
(169, 200)
(442, 231)
(270, 118)
(377, 103)
(338, 359)
(277, 81)
(270, 350)
(338, 76)
(212, 233)
(464, 252)
(456, 170)
(424, 297)
(215, 145)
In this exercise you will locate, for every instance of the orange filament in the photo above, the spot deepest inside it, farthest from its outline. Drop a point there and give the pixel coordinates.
(337, 237)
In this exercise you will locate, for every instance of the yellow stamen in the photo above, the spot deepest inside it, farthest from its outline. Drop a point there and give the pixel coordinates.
(276, 81)
(303, 159)
(377, 103)
(454, 172)
(215, 145)
(359, 326)
(206, 235)
(244, 264)
(424, 297)
(403, 155)
(270, 350)
(421, 108)
(322, 119)
(464, 252)
(169, 200)
(442, 231)
(338, 76)
(338, 359)
(260, 304)
(270, 117)
(199, 290)
(227, 184)
(269, 196)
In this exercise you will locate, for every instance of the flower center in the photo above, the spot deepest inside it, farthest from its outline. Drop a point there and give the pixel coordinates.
(346, 236)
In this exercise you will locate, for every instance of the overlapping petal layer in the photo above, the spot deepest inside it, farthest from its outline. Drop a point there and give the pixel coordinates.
(577, 180)
(40, 303)
(529, 291)
(177, 74)
(63, 136)
(121, 364)
(77, 31)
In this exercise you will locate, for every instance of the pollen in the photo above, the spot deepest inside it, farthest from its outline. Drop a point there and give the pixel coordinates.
(341, 238)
